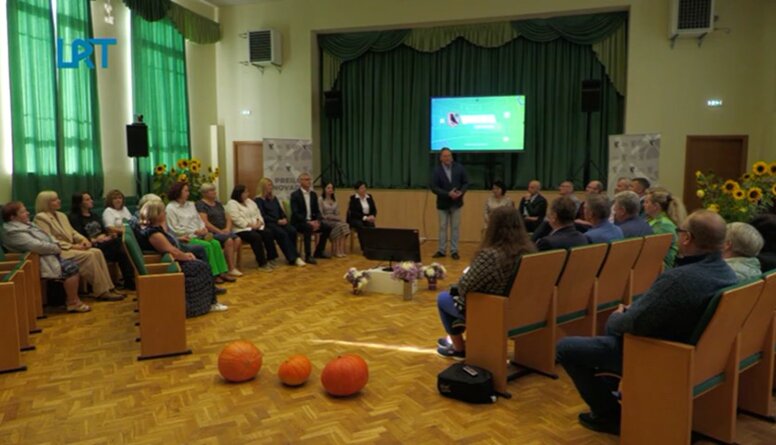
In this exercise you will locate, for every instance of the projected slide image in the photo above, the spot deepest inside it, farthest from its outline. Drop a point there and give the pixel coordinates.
(492, 123)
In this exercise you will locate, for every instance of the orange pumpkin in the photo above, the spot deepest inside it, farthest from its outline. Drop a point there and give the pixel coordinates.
(239, 361)
(295, 370)
(345, 375)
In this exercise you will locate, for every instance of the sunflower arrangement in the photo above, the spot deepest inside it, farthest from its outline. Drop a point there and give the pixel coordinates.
(188, 170)
(739, 199)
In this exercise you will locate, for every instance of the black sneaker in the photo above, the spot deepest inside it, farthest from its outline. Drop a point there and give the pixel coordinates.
(438, 255)
(450, 352)
(455, 256)
(220, 290)
(600, 424)
(323, 256)
(444, 342)
(310, 260)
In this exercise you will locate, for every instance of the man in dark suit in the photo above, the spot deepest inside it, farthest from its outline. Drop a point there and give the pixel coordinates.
(449, 183)
(561, 219)
(533, 206)
(306, 218)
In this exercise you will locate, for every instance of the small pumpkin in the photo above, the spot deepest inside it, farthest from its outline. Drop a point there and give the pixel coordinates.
(239, 361)
(345, 375)
(295, 370)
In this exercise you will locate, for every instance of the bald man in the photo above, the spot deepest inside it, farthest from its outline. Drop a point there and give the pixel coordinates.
(593, 188)
(533, 206)
(669, 310)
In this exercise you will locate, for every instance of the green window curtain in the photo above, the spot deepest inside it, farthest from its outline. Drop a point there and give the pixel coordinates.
(383, 136)
(33, 98)
(80, 164)
(159, 88)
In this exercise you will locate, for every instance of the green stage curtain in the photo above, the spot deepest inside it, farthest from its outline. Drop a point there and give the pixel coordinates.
(33, 98)
(193, 26)
(80, 164)
(383, 137)
(486, 35)
(159, 90)
(151, 10)
(581, 29)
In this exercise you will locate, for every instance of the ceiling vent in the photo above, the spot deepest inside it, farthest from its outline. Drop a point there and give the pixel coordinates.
(265, 47)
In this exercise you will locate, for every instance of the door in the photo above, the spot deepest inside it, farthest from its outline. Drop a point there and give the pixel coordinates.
(248, 164)
(725, 156)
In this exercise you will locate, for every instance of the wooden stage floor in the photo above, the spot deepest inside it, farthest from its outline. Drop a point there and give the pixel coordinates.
(84, 384)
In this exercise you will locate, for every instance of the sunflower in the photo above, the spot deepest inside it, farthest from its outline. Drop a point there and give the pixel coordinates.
(730, 186)
(183, 164)
(698, 174)
(760, 168)
(746, 177)
(754, 194)
(772, 168)
(182, 177)
(773, 189)
(739, 195)
(194, 167)
(713, 207)
(700, 193)
(160, 169)
(172, 172)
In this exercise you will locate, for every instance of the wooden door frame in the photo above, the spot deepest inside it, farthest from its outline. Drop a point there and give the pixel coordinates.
(236, 158)
(689, 177)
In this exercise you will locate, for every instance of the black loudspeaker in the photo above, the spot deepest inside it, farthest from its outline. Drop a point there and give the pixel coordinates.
(137, 141)
(591, 95)
(332, 104)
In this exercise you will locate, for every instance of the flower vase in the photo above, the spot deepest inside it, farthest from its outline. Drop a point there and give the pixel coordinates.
(407, 290)
(432, 282)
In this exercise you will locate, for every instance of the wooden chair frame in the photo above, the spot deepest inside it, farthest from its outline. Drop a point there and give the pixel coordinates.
(22, 294)
(578, 291)
(649, 263)
(614, 277)
(10, 358)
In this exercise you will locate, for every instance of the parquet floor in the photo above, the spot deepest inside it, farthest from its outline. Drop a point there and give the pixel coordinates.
(84, 384)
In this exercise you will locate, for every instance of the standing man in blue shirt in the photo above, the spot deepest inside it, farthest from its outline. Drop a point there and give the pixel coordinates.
(449, 183)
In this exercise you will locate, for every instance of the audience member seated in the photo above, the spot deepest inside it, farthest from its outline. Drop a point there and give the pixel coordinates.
(306, 219)
(597, 209)
(361, 208)
(116, 213)
(623, 184)
(22, 236)
(76, 247)
(640, 186)
(592, 188)
(492, 271)
(533, 206)
(200, 288)
(277, 222)
(219, 224)
(143, 200)
(669, 310)
(184, 221)
(249, 225)
(566, 189)
(766, 225)
(331, 218)
(742, 244)
(560, 219)
(89, 225)
(497, 199)
(626, 209)
(664, 214)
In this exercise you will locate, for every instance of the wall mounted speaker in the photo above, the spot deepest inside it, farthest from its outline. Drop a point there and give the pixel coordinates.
(137, 141)
(591, 95)
(332, 104)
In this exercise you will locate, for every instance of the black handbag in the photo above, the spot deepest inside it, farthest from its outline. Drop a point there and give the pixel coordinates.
(467, 383)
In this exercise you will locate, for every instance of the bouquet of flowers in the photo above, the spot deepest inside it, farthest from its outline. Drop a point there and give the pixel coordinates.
(739, 199)
(189, 171)
(433, 272)
(406, 271)
(358, 278)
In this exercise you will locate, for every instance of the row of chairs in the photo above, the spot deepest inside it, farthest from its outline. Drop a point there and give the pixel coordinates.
(554, 294)
(671, 389)
(20, 298)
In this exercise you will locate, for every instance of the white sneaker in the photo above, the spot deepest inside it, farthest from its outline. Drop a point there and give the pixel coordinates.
(300, 262)
(235, 273)
(266, 268)
(218, 307)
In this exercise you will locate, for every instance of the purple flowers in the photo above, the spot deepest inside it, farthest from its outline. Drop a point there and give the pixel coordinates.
(406, 271)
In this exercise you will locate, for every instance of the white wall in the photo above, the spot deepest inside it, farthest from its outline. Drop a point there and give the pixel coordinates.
(667, 88)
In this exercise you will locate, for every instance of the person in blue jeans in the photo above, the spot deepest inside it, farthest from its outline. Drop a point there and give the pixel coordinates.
(492, 272)
(669, 310)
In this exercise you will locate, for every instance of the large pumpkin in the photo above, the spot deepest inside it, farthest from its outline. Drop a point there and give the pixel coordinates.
(345, 375)
(239, 361)
(295, 370)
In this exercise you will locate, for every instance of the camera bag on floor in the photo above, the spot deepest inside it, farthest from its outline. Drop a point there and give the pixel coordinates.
(467, 383)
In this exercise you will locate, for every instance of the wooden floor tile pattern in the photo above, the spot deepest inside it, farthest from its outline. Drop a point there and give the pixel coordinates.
(84, 384)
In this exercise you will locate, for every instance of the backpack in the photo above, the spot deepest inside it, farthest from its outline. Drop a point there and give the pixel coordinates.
(467, 383)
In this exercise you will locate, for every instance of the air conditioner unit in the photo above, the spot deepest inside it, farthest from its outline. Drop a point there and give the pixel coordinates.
(265, 47)
(691, 18)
